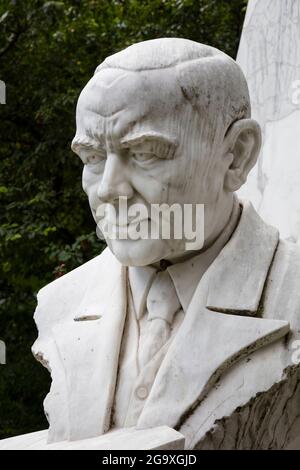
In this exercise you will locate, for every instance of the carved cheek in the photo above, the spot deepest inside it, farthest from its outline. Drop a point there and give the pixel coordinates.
(90, 184)
(90, 179)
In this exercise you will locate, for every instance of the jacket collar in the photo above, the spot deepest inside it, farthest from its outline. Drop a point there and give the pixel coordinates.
(237, 276)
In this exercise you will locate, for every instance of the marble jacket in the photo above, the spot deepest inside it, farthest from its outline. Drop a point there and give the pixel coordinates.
(235, 344)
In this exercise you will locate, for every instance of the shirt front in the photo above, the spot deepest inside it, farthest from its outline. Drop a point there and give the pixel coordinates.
(133, 382)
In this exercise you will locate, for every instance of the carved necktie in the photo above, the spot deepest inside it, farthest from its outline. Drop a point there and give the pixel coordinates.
(162, 304)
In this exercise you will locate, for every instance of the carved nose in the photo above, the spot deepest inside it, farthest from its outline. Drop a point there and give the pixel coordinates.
(114, 183)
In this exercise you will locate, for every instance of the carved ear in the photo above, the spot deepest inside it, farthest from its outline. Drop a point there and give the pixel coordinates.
(242, 144)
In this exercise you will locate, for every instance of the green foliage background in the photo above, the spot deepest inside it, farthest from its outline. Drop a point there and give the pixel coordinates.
(48, 51)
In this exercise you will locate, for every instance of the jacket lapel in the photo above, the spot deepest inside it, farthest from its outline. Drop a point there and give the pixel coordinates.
(212, 337)
(89, 347)
(238, 276)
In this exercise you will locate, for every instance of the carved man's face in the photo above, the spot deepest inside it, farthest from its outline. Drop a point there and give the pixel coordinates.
(140, 139)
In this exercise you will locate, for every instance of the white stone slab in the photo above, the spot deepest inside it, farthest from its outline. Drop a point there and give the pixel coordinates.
(161, 437)
(269, 55)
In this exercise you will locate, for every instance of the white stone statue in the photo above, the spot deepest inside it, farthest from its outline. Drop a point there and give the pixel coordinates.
(269, 55)
(149, 333)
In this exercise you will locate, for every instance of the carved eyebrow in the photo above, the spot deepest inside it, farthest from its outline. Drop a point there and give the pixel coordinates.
(81, 144)
(136, 139)
(85, 144)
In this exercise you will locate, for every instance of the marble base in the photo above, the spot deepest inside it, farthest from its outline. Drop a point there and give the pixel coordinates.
(158, 438)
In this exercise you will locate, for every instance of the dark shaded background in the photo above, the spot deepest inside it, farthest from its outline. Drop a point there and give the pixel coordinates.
(48, 51)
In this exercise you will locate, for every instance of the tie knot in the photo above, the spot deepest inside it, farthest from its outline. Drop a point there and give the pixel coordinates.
(162, 300)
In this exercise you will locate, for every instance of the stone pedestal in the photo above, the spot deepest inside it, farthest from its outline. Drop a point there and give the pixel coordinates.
(158, 438)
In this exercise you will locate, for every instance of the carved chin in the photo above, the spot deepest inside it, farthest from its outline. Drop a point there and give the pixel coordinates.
(138, 252)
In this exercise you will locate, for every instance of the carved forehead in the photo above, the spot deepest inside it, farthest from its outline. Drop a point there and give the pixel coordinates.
(159, 79)
(209, 79)
(111, 91)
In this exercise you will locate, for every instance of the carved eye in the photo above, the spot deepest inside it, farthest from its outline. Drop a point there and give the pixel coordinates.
(94, 159)
(144, 157)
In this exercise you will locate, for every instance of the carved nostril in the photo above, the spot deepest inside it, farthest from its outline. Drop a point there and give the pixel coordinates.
(107, 193)
(111, 193)
(125, 190)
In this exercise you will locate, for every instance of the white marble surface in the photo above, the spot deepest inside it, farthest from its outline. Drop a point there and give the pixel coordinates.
(121, 439)
(269, 55)
(169, 121)
(222, 313)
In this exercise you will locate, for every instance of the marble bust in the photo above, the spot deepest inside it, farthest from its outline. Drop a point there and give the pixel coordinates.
(149, 333)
